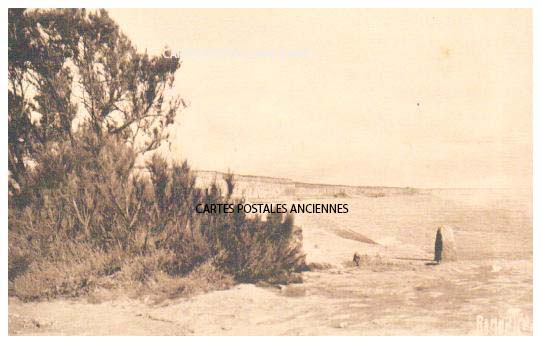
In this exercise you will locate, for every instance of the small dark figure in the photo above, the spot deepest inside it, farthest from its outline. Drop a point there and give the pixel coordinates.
(357, 258)
(438, 246)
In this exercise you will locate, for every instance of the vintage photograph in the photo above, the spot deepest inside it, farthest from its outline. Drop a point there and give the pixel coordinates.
(233, 172)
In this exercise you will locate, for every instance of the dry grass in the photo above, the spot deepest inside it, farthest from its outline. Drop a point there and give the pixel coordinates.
(162, 286)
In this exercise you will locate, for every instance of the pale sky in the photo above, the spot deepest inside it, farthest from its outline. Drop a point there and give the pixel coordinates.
(422, 98)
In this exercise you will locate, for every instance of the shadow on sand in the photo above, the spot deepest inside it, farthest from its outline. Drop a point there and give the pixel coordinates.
(428, 261)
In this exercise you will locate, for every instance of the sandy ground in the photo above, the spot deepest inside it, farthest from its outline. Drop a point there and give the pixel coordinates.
(397, 294)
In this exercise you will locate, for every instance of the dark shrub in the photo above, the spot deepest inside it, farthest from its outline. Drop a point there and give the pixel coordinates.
(93, 214)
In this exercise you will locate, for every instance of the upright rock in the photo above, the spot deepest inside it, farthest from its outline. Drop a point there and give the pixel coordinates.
(438, 246)
(445, 245)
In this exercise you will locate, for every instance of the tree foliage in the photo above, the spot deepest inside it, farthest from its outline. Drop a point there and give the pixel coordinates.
(71, 67)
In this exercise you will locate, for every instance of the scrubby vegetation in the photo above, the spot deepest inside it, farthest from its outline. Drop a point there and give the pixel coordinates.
(91, 203)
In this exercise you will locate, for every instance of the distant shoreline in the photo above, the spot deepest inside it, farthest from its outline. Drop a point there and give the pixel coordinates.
(388, 187)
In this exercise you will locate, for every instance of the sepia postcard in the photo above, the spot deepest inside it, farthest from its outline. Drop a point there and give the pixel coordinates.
(269, 171)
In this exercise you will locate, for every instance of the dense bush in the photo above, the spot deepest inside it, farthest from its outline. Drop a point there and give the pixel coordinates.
(93, 214)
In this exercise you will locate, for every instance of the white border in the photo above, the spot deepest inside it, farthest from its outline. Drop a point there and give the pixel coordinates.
(535, 5)
(276, 4)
